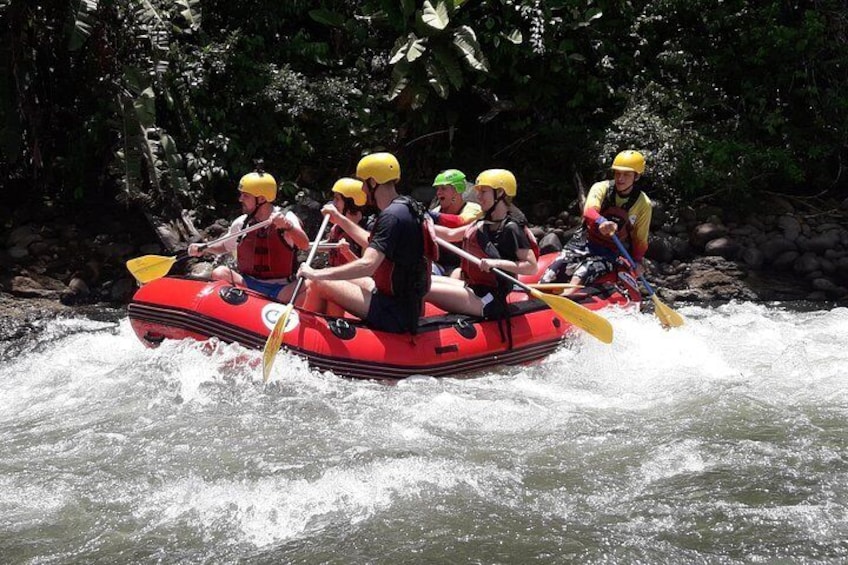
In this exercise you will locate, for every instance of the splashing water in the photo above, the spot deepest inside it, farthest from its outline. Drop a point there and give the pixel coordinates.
(720, 441)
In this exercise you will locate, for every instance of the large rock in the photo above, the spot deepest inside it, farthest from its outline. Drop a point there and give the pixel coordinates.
(830, 288)
(790, 226)
(36, 286)
(117, 250)
(820, 243)
(827, 266)
(22, 236)
(122, 291)
(18, 253)
(706, 232)
(752, 257)
(785, 260)
(550, 244)
(842, 269)
(659, 214)
(775, 247)
(723, 247)
(538, 232)
(77, 292)
(714, 278)
(807, 263)
(661, 248)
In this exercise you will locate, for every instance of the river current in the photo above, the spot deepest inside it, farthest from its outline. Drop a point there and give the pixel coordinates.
(723, 441)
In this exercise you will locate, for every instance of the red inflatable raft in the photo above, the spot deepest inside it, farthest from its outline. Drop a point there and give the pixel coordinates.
(446, 344)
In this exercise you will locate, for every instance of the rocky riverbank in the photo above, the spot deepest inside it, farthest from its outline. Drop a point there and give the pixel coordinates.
(705, 254)
(52, 264)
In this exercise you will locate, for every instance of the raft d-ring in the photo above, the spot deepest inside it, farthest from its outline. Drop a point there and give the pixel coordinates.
(465, 329)
(342, 329)
(233, 295)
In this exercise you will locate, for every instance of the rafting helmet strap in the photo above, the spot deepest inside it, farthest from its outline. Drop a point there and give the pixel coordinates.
(488, 215)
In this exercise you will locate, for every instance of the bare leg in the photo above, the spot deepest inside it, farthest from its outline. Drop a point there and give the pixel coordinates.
(312, 300)
(448, 280)
(453, 297)
(354, 295)
(226, 274)
(286, 294)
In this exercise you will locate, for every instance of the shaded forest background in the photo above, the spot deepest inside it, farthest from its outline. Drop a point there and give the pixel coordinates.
(162, 105)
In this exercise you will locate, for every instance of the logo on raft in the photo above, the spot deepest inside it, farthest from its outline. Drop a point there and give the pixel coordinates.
(272, 312)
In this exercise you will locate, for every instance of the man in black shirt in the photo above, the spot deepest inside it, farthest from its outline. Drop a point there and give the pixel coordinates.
(387, 284)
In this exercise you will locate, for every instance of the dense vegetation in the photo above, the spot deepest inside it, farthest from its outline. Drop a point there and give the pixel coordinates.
(163, 104)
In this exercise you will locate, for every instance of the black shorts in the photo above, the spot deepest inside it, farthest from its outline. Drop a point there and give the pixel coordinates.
(494, 306)
(390, 314)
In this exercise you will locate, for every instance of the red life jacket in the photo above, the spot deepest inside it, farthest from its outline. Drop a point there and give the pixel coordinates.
(419, 283)
(265, 254)
(618, 214)
(335, 257)
(478, 243)
(472, 244)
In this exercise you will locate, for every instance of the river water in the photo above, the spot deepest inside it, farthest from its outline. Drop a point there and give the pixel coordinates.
(722, 441)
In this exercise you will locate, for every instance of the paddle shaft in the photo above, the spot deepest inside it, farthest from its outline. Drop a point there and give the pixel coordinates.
(554, 286)
(275, 338)
(312, 251)
(323, 245)
(632, 264)
(228, 237)
(668, 317)
(476, 260)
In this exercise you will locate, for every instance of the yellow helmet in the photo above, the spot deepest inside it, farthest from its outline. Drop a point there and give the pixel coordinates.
(629, 161)
(351, 188)
(498, 178)
(382, 167)
(259, 184)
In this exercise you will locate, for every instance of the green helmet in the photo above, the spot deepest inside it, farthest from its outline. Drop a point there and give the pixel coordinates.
(453, 177)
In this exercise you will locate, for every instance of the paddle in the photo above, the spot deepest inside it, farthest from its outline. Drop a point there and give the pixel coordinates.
(668, 317)
(151, 267)
(275, 339)
(579, 316)
(553, 287)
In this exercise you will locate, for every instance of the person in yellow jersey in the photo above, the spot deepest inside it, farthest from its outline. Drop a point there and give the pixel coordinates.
(266, 258)
(452, 211)
(617, 206)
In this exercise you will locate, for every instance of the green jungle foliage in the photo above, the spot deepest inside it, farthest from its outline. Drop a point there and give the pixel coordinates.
(165, 104)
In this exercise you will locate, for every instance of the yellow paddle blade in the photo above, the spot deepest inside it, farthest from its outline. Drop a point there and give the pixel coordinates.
(150, 267)
(668, 317)
(577, 315)
(275, 340)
